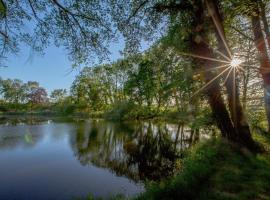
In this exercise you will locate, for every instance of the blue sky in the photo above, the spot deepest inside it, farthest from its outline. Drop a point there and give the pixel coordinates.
(52, 70)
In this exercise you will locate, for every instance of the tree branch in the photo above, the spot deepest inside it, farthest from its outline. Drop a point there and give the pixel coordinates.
(241, 33)
(173, 7)
(137, 10)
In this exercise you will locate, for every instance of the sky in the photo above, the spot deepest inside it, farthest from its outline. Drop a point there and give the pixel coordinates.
(52, 70)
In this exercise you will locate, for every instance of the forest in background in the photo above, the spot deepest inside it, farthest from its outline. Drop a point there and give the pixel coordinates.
(158, 83)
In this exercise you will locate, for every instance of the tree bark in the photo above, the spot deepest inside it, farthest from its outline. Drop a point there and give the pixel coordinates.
(264, 20)
(264, 60)
(213, 90)
(242, 132)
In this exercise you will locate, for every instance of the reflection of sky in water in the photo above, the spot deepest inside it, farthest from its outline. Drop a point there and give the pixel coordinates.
(62, 160)
(37, 162)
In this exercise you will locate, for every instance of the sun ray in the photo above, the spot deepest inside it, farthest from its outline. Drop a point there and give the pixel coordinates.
(225, 80)
(203, 57)
(211, 81)
(219, 52)
(219, 29)
(236, 62)
(241, 68)
(219, 67)
(234, 95)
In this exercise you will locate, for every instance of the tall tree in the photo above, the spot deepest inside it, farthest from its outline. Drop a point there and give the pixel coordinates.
(242, 131)
(262, 45)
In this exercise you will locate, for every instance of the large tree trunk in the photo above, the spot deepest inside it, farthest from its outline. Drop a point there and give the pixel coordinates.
(213, 90)
(264, 60)
(264, 20)
(242, 132)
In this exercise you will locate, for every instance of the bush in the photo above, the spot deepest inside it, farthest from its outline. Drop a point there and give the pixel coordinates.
(129, 110)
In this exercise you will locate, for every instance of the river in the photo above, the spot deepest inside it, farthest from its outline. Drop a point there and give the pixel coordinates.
(50, 158)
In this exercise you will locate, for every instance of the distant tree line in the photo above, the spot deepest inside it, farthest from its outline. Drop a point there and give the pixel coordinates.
(15, 93)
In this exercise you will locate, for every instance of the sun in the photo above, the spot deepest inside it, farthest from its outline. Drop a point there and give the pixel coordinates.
(236, 62)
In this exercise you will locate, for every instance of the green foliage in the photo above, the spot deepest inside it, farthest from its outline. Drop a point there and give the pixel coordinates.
(58, 95)
(196, 169)
(142, 84)
(153, 82)
(217, 170)
(3, 9)
(17, 92)
(240, 176)
(256, 118)
(120, 111)
(129, 110)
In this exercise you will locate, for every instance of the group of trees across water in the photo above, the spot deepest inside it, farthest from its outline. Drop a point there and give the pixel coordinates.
(19, 96)
(197, 45)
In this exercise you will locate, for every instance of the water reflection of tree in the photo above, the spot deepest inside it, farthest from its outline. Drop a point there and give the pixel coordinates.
(23, 136)
(139, 151)
(21, 120)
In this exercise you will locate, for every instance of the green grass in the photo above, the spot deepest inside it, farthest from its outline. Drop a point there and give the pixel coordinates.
(218, 170)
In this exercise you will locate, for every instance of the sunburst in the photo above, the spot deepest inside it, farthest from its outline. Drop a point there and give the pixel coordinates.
(230, 63)
(236, 62)
(229, 67)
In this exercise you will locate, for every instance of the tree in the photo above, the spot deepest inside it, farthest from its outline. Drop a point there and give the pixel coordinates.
(242, 132)
(83, 27)
(262, 46)
(142, 83)
(87, 90)
(13, 91)
(38, 96)
(35, 93)
(58, 95)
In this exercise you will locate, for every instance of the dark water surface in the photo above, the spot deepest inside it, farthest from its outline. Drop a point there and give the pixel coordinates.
(64, 159)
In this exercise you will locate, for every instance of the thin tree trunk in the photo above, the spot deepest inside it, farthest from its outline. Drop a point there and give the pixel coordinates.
(264, 61)
(246, 78)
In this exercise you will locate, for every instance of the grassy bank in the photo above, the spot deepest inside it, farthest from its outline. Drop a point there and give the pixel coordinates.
(218, 170)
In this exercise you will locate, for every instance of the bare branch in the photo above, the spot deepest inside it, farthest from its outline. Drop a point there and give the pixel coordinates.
(4, 35)
(33, 10)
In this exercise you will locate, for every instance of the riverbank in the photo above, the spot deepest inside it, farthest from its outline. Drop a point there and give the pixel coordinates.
(218, 170)
(124, 116)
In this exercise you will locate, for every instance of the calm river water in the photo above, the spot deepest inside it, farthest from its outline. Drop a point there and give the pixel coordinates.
(67, 159)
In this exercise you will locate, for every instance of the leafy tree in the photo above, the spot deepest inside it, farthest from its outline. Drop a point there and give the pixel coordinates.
(141, 84)
(38, 96)
(13, 91)
(58, 95)
(35, 93)
(87, 90)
